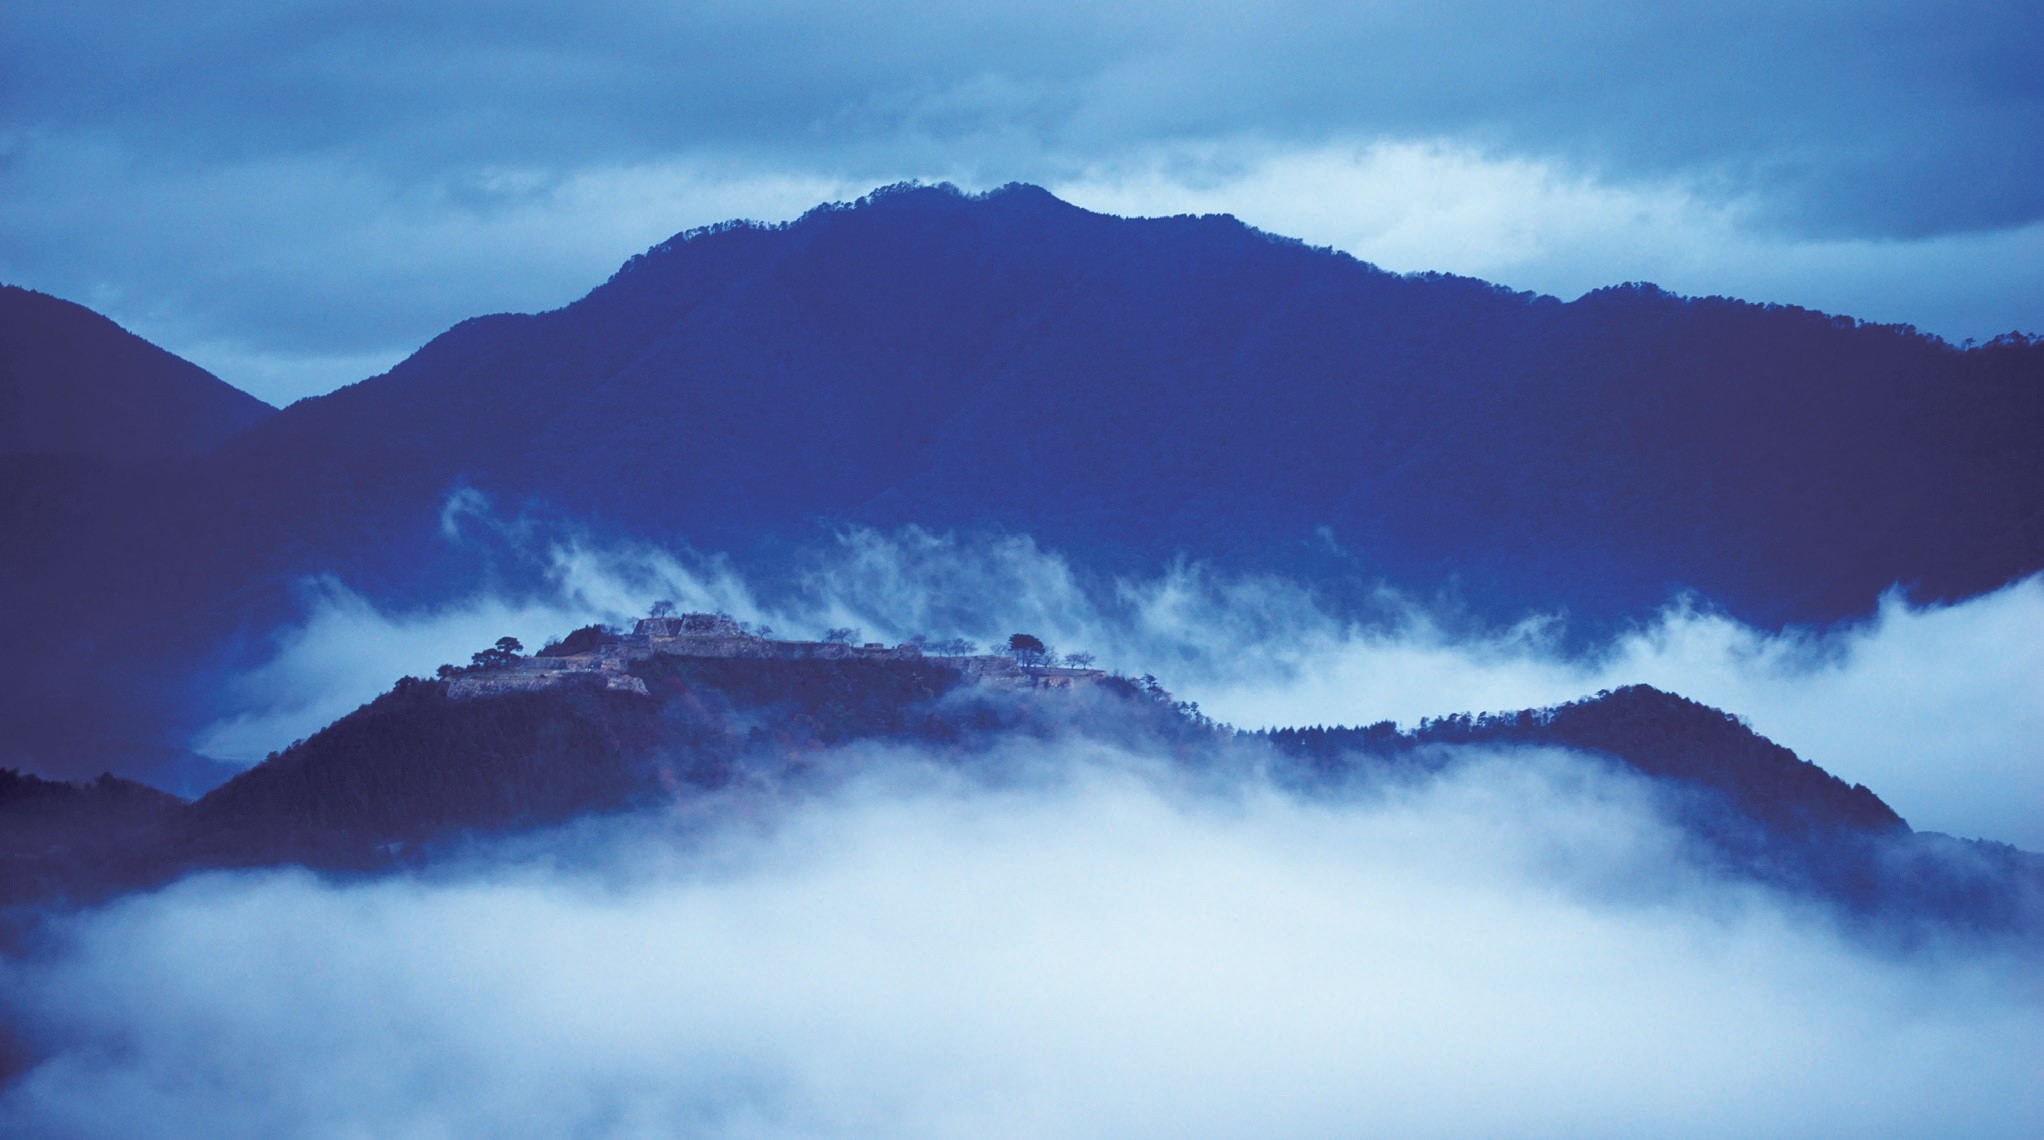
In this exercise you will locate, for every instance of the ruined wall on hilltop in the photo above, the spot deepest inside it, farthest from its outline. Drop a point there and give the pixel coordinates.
(719, 636)
(497, 682)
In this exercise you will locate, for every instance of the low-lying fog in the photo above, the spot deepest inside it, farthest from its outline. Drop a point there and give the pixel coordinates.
(1074, 943)
(1939, 709)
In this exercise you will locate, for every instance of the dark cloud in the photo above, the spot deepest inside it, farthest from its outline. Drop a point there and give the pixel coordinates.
(159, 159)
(1890, 119)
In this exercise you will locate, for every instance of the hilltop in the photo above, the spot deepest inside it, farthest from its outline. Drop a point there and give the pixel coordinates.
(689, 711)
(596, 656)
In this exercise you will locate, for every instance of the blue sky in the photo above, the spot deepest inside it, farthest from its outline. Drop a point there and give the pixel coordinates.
(296, 195)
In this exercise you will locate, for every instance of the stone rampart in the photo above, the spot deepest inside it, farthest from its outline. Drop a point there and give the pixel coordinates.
(717, 636)
(496, 682)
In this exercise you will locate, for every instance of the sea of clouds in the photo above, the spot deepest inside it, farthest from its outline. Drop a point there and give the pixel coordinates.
(1071, 937)
(1074, 941)
(1939, 709)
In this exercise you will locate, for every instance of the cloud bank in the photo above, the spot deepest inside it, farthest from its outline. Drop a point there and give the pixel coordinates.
(291, 192)
(1933, 707)
(1083, 946)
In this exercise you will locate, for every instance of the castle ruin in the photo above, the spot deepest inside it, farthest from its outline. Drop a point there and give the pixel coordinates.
(606, 660)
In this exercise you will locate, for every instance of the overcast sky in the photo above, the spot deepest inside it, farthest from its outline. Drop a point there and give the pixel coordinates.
(296, 194)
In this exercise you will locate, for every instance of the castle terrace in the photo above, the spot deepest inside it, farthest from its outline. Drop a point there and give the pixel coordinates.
(606, 660)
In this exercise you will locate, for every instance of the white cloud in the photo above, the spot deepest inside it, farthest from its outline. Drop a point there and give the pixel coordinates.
(1937, 708)
(1096, 951)
(1540, 225)
(347, 650)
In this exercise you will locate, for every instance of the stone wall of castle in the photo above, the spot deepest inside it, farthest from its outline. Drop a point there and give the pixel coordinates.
(496, 682)
(714, 635)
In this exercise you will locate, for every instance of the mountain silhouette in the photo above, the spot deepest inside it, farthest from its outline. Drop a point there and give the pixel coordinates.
(419, 774)
(74, 383)
(1128, 391)
(1656, 733)
(1136, 389)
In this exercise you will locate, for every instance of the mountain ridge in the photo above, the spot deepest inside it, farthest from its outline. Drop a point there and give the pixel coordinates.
(417, 775)
(73, 383)
(1129, 392)
(956, 420)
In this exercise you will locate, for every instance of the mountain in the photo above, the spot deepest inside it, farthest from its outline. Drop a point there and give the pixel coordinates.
(1128, 391)
(1750, 806)
(1134, 389)
(74, 383)
(1658, 734)
(425, 771)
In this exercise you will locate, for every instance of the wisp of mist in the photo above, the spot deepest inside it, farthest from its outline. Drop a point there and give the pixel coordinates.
(1939, 709)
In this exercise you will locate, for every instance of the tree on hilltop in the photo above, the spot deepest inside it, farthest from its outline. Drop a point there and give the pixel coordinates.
(503, 653)
(1027, 649)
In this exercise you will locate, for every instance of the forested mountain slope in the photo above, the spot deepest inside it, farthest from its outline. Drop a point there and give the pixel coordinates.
(1128, 391)
(1137, 388)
